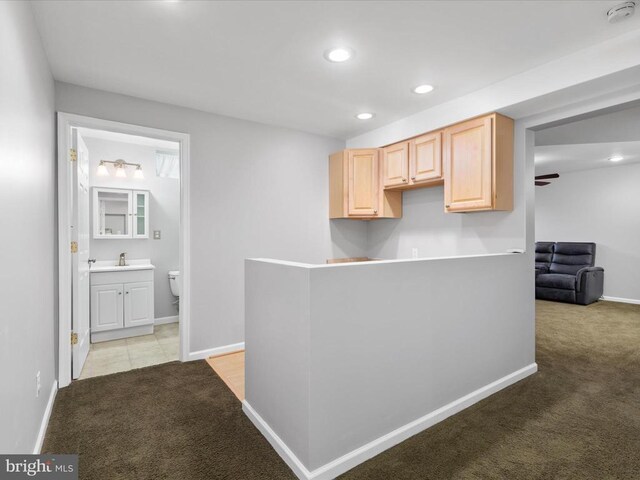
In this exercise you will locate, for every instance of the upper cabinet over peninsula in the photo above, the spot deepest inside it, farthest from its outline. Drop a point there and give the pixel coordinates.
(478, 165)
(413, 163)
(473, 159)
(355, 187)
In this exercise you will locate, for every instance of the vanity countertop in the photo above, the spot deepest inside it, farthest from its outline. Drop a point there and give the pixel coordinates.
(112, 266)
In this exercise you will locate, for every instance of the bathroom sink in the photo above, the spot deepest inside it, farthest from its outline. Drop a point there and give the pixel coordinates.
(112, 266)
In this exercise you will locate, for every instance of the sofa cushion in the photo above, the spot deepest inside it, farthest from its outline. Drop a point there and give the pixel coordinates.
(556, 280)
(544, 252)
(569, 257)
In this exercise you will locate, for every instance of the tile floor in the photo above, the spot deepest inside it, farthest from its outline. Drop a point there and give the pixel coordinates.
(135, 352)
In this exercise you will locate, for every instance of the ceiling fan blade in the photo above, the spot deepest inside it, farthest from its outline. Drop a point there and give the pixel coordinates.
(544, 177)
(542, 184)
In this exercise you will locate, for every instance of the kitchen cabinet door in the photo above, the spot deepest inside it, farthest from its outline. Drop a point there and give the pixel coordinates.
(395, 165)
(425, 158)
(468, 165)
(363, 183)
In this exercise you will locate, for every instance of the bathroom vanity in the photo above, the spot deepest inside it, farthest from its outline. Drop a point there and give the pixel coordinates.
(121, 300)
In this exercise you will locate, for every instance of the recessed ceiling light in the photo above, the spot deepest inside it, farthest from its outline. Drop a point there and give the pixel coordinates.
(420, 89)
(365, 116)
(616, 158)
(338, 54)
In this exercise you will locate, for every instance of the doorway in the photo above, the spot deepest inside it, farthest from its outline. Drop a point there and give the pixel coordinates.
(123, 271)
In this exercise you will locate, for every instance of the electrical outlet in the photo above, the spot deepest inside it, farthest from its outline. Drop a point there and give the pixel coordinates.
(414, 253)
(156, 234)
(38, 384)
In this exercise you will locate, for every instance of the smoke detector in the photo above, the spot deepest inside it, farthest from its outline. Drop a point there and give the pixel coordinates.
(621, 11)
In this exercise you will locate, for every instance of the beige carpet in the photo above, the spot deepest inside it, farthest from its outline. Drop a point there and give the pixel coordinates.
(577, 418)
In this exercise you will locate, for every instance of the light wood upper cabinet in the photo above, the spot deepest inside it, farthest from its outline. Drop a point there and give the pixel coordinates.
(414, 163)
(395, 165)
(473, 159)
(478, 165)
(355, 187)
(425, 159)
(364, 178)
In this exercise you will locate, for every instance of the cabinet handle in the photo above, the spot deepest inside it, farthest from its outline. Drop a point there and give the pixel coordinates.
(404, 179)
(447, 206)
(127, 293)
(375, 212)
(413, 178)
(119, 293)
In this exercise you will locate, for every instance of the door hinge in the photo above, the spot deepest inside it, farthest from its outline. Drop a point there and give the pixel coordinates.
(74, 247)
(73, 155)
(74, 338)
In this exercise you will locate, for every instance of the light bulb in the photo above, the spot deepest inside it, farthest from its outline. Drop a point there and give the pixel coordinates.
(120, 172)
(102, 170)
(138, 173)
(364, 116)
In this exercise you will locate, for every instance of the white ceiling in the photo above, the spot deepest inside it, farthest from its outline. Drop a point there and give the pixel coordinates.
(262, 60)
(126, 138)
(584, 156)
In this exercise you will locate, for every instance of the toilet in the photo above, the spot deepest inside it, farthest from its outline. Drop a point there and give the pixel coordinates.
(174, 282)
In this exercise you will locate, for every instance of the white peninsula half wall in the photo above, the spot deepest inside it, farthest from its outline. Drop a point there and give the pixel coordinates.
(344, 361)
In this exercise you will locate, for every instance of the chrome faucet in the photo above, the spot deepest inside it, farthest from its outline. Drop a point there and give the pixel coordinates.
(123, 261)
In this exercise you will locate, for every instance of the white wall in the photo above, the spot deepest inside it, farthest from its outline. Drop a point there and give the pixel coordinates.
(164, 215)
(340, 356)
(425, 226)
(256, 191)
(601, 206)
(615, 126)
(28, 245)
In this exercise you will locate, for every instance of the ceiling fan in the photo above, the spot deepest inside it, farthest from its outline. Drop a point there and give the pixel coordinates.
(545, 177)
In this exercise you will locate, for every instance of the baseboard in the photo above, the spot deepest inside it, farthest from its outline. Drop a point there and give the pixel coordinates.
(45, 419)
(346, 462)
(164, 320)
(200, 354)
(621, 300)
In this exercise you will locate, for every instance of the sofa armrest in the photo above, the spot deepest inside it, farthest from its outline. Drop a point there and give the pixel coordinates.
(584, 273)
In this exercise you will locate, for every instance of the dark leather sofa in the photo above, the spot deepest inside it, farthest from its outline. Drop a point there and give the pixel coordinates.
(565, 272)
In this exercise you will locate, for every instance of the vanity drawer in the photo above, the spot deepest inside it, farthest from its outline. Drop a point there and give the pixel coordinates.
(106, 278)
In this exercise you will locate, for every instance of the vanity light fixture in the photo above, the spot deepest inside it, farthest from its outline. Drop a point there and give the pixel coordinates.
(365, 116)
(120, 166)
(338, 54)
(616, 158)
(422, 89)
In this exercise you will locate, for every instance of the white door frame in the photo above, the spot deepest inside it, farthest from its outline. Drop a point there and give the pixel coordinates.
(66, 122)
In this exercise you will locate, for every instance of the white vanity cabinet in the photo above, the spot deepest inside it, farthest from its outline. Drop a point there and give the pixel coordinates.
(121, 303)
(119, 213)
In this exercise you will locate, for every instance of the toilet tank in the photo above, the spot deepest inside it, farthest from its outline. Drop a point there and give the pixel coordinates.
(174, 282)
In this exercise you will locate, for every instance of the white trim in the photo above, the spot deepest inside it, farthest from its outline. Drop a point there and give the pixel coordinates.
(621, 300)
(37, 448)
(165, 320)
(212, 352)
(360, 455)
(66, 121)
